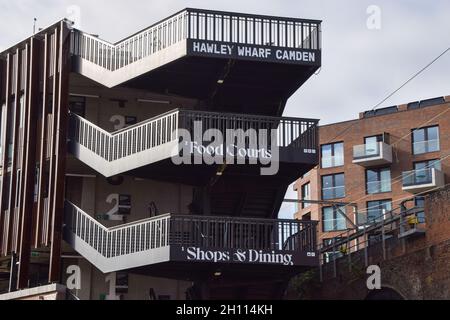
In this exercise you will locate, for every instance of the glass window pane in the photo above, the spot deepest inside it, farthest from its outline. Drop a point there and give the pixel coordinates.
(340, 219)
(326, 156)
(338, 154)
(419, 145)
(385, 182)
(327, 219)
(333, 186)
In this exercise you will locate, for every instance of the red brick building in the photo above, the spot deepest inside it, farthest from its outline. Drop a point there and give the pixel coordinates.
(376, 162)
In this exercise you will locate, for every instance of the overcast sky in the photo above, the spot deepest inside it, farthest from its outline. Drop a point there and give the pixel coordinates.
(361, 65)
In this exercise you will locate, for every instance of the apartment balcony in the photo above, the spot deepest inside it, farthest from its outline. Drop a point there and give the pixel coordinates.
(418, 181)
(184, 244)
(189, 54)
(372, 155)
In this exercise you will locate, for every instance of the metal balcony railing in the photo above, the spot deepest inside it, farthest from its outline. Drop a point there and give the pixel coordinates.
(197, 231)
(199, 24)
(290, 132)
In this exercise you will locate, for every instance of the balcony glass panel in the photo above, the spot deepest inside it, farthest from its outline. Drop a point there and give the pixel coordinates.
(426, 146)
(418, 177)
(377, 210)
(370, 150)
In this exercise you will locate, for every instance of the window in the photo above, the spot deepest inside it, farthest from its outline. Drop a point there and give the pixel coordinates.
(376, 210)
(378, 180)
(333, 155)
(426, 140)
(306, 195)
(420, 203)
(333, 186)
(333, 219)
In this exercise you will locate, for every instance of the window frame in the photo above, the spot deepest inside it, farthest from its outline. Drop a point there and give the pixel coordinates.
(333, 175)
(305, 205)
(426, 139)
(368, 207)
(333, 154)
(378, 171)
(335, 219)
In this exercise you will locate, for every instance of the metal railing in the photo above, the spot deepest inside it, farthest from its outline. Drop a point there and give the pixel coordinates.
(362, 241)
(120, 144)
(123, 240)
(199, 25)
(243, 233)
(198, 231)
(291, 132)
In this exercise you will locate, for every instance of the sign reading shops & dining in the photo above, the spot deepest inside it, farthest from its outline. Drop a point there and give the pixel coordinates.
(243, 256)
(253, 52)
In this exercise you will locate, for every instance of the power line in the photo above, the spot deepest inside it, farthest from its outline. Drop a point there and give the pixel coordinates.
(409, 134)
(396, 90)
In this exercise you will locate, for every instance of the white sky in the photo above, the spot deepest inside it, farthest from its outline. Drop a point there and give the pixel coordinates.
(360, 66)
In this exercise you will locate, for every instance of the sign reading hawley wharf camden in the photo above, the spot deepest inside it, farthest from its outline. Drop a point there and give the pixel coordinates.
(253, 52)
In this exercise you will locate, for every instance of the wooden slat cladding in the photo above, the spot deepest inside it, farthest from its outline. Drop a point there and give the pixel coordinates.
(44, 137)
(34, 79)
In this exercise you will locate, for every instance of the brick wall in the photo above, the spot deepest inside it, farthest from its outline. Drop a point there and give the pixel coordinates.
(417, 269)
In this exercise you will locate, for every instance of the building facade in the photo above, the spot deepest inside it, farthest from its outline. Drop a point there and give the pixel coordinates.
(107, 184)
(372, 165)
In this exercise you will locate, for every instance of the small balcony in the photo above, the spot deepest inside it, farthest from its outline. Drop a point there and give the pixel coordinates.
(423, 180)
(368, 155)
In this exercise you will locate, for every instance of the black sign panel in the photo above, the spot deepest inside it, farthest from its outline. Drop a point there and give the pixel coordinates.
(216, 49)
(244, 256)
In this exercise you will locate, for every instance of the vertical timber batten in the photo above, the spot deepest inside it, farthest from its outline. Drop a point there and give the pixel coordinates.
(43, 146)
(61, 150)
(29, 169)
(52, 138)
(5, 74)
(10, 240)
(23, 132)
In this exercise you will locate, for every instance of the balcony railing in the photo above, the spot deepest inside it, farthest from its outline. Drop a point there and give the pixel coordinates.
(419, 177)
(366, 151)
(372, 154)
(333, 161)
(426, 146)
(191, 231)
(243, 233)
(199, 24)
(294, 133)
(333, 193)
